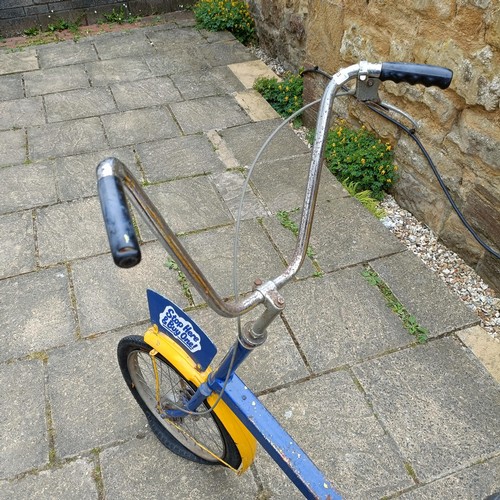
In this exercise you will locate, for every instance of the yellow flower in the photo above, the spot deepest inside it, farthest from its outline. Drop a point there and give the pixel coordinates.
(395, 167)
(388, 147)
(389, 181)
(363, 161)
(383, 172)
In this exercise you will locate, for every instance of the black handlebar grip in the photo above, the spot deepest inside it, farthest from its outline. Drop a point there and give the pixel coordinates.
(121, 233)
(416, 73)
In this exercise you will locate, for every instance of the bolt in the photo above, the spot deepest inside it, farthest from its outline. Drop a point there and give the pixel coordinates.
(257, 282)
(280, 301)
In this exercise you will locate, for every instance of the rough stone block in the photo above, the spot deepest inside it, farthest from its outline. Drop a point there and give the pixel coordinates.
(188, 205)
(18, 62)
(11, 87)
(340, 319)
(126, 69)
(213, 252)
(282, 183)
(208, 82)
(284, 145)
(124, 44)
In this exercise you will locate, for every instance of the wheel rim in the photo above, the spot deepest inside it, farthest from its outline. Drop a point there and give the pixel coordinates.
(188, 430)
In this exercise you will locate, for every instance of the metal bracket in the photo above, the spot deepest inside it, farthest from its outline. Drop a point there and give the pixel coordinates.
(367, 89)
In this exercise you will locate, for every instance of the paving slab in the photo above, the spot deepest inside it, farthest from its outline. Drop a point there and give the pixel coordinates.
(225, 52)
(179, 157)
(187, 205)
(276, 363)
(15, 195)
(207, 82)
(57, 243)
(153, 472)
(17, 253)
(201, 115)
(81, 103)
(213, 252)
(71, 480)
(21, 113)
(66, 138)
(66, 53)
(36, 311)
(18, 61)
(484, 346)
(123, 44)
(334, 424)
(174, 60)
(23, 401)
(109, 297)
(125, 69)
(12, 147)
(343, 320)
(285, 145)
(139, 125)
(230, 184)
(58, 79)
(145, 93)
(91, 405)
(175, 36)
(438, 403)
(345, 233)
(282, 183)
(257, 108)
(248, 72)
(478, 481)
(11, 87)
(75, 175)
(423, 293)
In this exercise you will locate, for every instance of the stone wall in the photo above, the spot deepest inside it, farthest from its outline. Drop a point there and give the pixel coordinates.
(19, 15)
(460, 126)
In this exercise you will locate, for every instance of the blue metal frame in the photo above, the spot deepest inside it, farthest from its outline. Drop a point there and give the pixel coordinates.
(276, 441)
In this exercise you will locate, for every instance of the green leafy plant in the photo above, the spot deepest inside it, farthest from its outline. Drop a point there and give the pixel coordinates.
(120, 16)
(365, 198)
(233, 16)
(409, 321)
(181, 278)
(61, 25)
(284, 96)
(35, 30)
(359, 156)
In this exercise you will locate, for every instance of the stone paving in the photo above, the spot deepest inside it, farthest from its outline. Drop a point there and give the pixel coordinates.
(383, 416)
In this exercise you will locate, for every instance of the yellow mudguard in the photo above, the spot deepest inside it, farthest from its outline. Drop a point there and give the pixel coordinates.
(179, 358)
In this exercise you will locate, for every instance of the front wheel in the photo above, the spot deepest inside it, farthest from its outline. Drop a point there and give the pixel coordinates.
(190, 436)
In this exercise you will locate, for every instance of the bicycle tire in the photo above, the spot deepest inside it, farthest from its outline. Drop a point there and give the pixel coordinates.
(137, 369)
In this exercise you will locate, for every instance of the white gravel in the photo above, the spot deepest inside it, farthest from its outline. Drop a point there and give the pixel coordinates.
(461, 279)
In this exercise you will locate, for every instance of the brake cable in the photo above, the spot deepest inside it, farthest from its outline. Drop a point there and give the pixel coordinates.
(413, 135)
